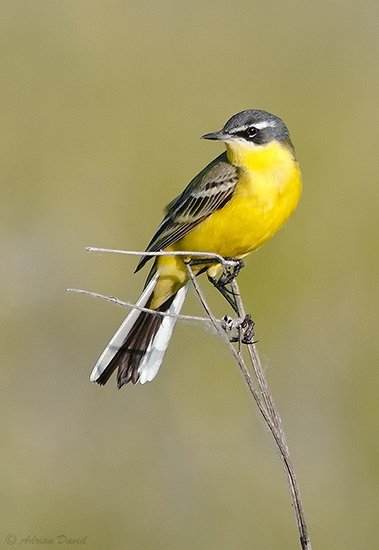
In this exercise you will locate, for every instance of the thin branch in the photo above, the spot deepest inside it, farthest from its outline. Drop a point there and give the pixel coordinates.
(121, 303)
(265, 403)
(256, 362)
(244, 371)
(187, 254)
(261, 394)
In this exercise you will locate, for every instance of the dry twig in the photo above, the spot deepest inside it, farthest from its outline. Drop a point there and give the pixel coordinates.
(260, 392)
(264, 400)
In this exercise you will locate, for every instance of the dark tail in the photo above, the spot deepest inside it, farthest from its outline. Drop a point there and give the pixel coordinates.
(138, 347)
(129, 356)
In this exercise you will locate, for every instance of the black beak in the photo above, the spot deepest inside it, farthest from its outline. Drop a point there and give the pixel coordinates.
(218, 136)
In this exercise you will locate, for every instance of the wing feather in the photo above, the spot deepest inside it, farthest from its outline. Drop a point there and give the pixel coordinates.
(209, 191)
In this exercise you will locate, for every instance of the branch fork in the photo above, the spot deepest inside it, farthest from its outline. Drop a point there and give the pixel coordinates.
(226, 327)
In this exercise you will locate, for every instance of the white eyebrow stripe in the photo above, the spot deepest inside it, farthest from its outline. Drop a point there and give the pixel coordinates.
(264, 124)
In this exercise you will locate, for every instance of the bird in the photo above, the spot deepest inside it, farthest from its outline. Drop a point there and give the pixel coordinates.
(231, 208)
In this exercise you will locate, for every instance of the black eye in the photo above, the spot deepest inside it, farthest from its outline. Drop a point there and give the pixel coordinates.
(251, 132)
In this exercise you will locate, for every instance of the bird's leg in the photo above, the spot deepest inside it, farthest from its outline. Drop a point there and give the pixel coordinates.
(230, 272)
(231, 269)
(201, 261)
(227, 293)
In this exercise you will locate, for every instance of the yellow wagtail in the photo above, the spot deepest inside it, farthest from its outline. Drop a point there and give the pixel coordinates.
(232, 207)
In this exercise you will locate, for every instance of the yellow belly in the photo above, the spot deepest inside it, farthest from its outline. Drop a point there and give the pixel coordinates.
(268, 190)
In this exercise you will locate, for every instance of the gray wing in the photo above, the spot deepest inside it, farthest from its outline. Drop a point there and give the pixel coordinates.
(209, 191)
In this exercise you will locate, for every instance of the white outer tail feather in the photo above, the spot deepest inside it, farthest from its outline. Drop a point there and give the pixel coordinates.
(153, 357)
(155, 352)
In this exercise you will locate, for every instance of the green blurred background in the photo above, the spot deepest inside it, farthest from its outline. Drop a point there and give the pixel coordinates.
(102, 105)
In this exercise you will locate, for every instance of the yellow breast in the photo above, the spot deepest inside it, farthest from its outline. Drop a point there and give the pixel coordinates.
(268, 190)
